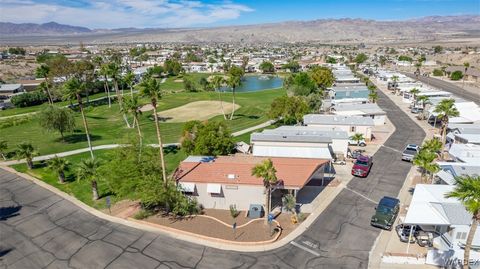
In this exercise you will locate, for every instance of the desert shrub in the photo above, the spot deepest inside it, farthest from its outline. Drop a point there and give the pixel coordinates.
(29, 99)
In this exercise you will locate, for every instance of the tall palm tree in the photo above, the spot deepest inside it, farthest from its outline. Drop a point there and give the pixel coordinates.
(45, 85)
(414, 93)
(424, 159)
(114, 72)
(467, 190)
(3, 149)
(424, 100)
(446, 109)
(217, 82)
(26, 151)
(268, 173)
(129, 79)
(59, 165)
(466, 65)
(245, 60)
(88, 170)
(395, 80)
(233, 82)
(151, 88)
(104, 72)
(418, 65)
(72, 90)
(132, 106)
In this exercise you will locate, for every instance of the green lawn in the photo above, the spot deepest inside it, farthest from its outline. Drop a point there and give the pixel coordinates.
(82, 189)
(107, 126)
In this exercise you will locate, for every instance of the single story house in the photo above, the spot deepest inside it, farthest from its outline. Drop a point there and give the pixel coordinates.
(30, 84)
(218, 182)
(472, 74)
(7, 90)
(446, 218)
(450, 170)
(301, 142)
(349, 124)
(347, 92)
(469, 112)
(365, 110)
(466, 153)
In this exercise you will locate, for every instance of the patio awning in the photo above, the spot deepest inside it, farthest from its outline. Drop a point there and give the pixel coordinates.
(214, 188)
(187, 186)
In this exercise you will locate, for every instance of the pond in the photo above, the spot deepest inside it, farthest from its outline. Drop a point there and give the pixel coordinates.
(257, 83)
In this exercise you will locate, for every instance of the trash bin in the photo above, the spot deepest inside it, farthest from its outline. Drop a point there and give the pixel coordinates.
(256, 211)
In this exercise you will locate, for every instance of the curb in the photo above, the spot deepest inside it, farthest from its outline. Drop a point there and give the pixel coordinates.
(195, 239)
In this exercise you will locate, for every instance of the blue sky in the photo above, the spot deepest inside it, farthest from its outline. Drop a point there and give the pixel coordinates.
(202, 13)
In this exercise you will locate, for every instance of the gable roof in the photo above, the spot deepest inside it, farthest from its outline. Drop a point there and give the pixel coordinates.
(294, 172)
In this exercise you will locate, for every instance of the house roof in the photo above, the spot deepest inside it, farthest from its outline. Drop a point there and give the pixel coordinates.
(319, 119)
(358, 109)
(307, 134)
(450, 170)
(429, 206)
(10, 87)
(237, 169)
(465, 152)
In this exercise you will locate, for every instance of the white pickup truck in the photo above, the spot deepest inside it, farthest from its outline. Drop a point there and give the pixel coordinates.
(409, 152)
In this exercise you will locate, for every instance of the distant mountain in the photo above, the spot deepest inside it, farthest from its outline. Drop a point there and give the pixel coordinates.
(323, 30)
(49, 28)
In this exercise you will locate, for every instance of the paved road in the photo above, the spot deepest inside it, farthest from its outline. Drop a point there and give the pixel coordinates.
(449, 87)
(39, 229)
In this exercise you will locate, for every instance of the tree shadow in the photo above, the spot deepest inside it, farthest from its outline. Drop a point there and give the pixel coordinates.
(170, 149)
(252, 117)
(9, 212)
(79, 137)
(105, 194)
(5, 251)
(96, 117)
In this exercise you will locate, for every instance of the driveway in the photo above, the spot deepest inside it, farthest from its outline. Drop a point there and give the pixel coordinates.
(39, 229)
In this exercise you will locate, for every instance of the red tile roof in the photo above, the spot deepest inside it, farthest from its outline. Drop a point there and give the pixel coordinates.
(294, 172)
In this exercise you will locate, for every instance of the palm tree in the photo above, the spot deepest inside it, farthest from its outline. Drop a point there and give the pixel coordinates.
(26, 151)
(45, 85)
(268, 173)
(88, 170)
(466, 65)
(446, 109)
(467, 190)
(131, 106)
(357, 137)
(433, 145)
(151, 88)
(245, 60)
(3, 148)
(373, 96)
(418, 65)
(414, 93)
(59, 165)
(290, 204)
(424, 99)
(217, 82)
(395, 80)
(129, 79)
(72, 90)
(104, 72)
(114, 72)
(233, 82)
(424, 160)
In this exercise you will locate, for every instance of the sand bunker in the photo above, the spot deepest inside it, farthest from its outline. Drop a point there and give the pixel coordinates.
(199, 110)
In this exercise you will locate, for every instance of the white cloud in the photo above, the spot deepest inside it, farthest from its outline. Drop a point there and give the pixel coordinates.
(123, 13)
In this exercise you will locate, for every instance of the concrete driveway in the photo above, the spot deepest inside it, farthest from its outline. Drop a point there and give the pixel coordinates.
(39, 229)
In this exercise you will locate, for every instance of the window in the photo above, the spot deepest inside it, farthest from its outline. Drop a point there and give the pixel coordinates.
(461, 236)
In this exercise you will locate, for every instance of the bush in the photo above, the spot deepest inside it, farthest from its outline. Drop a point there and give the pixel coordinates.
(457, 75)
(29, 99)
(143, 214)
(437, 72)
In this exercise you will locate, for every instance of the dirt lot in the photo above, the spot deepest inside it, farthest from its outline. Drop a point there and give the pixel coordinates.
(199, 110)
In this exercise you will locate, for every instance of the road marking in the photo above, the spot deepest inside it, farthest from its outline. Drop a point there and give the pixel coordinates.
(305, 248)
(346, 187)
(392, 149)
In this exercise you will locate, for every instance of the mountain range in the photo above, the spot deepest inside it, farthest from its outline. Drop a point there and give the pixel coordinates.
(323, 30)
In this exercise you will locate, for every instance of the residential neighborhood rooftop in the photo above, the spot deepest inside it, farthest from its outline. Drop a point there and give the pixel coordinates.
(318, 119)
(237, 169)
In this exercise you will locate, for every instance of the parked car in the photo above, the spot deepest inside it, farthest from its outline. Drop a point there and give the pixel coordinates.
(362, 166)
(355, 153)
(424, 239)
(403, 232)
(360, 143)
(409, 152)
(416, 110)
(385, 213)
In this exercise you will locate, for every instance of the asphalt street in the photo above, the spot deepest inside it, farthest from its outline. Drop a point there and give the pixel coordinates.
(39, 229)
(449, 87)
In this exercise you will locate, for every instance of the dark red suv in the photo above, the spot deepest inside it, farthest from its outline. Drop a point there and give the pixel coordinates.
(362, 166)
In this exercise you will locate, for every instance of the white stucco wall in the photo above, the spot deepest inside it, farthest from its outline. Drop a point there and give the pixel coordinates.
(366, 131)
(340, 145)
(240, 195)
